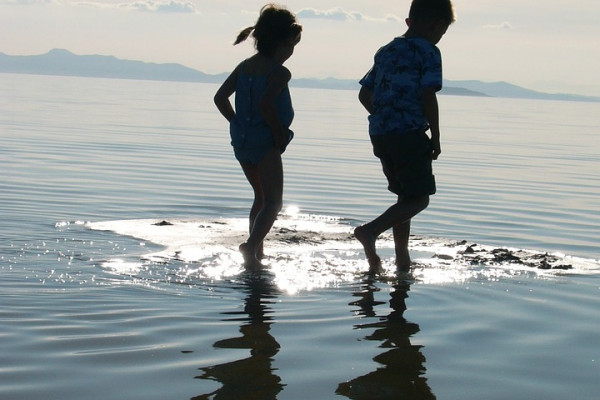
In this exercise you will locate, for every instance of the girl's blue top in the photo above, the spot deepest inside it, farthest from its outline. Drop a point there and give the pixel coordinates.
(248, 129)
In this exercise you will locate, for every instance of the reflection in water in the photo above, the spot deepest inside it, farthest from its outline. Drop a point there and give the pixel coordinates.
(402, 370)
(252, 377)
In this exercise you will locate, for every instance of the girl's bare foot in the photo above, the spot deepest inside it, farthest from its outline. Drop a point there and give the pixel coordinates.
(368, 242)
(250, 260)
(403, 261)
(260, 253)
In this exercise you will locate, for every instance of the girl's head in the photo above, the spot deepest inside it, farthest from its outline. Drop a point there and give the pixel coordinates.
(276, 26)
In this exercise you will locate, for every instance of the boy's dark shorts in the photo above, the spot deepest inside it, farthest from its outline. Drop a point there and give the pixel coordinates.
(406, 161)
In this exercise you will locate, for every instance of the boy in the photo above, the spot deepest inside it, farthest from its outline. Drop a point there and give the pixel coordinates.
(399, 92)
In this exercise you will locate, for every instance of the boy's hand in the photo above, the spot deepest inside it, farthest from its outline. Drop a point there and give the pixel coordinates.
(365, 96)
(436, 148)
(277, 141)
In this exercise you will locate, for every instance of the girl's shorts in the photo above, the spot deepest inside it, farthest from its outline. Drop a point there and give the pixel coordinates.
(251, 146)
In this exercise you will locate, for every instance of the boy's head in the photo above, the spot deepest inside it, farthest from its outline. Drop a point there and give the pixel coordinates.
(431, 12)
(431, 18)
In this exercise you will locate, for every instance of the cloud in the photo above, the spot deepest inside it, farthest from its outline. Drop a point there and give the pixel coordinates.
(502, 25)
(28, 2)
(173, 6)
(166, 6)
(339, 14)
(335, 14)
(392, 18)
(162, 6)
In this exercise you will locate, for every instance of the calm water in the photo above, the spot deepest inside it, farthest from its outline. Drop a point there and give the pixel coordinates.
(86, 313)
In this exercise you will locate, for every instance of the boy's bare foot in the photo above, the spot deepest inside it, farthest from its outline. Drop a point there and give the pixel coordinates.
(250, 260)
(368, 242)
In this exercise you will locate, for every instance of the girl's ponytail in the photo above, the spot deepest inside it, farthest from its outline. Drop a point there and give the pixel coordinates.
(243, 35)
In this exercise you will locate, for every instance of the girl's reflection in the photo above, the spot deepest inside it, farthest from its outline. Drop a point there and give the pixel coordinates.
(402, 370)
(252, 377)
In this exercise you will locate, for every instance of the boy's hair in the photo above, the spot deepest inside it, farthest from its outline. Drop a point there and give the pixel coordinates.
(275, 26)
(425, 11)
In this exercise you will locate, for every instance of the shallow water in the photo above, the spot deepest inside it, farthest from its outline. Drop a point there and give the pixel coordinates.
(91, 312)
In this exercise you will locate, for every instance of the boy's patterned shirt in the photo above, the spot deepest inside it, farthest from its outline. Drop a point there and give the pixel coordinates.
(402, 69)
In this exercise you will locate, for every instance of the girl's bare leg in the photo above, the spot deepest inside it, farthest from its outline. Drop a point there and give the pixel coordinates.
(253, 177)
(267, 179)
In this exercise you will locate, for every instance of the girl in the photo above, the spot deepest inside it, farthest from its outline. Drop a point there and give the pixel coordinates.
(259, 125)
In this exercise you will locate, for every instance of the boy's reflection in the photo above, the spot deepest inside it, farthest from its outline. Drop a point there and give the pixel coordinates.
(402, 370)
(252, 377)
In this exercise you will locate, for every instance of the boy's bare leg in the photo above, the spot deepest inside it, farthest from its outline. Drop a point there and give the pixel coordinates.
(367, 239)
(401, 235)
(398, 214)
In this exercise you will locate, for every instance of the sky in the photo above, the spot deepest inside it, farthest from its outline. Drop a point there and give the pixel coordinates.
(551, 46)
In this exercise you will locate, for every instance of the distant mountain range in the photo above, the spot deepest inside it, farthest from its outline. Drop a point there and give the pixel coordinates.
(65, 63)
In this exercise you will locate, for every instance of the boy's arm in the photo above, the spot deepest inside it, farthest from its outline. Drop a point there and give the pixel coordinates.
(430, 105)
(365, 96)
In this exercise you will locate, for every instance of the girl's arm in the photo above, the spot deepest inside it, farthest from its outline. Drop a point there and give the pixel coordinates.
(221, 98)
(278, 80)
